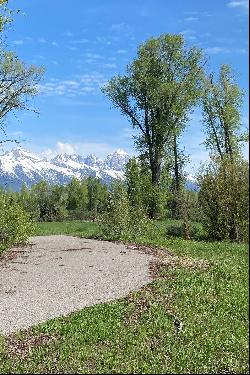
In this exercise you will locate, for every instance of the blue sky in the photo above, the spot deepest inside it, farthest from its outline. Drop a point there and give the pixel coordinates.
(82, 44)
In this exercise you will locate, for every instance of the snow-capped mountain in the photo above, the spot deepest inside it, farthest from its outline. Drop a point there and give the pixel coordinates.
(117, 160)
(21, 166)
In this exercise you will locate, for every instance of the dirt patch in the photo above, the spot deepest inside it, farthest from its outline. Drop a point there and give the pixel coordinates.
(12, 254)
(21, 348)
(166, 257)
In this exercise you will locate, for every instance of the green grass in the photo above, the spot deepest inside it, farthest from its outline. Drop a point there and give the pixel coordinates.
(74, 228)
(137, 334)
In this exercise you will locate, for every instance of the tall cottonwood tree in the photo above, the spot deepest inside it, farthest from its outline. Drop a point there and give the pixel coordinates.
(224, 184)
(160, 88)
(222, 101)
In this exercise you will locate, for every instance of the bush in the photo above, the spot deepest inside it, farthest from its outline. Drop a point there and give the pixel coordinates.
(224, 197)
(121, 219)
(196, 231)
(15, 224)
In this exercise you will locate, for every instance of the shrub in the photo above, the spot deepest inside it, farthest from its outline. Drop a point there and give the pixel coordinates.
(15, 224)
(224, 197)
(196, 231)
(121, 219)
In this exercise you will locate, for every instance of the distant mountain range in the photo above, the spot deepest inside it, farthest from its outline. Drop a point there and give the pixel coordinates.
(20, 166)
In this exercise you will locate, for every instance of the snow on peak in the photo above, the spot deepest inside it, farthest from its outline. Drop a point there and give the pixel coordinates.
(19, 166)
(19, 153)
(93, 161)
(117, 160)
(120, 152)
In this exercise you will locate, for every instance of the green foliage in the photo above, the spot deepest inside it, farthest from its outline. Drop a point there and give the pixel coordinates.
(79, 228)
(224, 198)
(122, 219)
(4, 15)
(97, 196)
(15, 224)
(18, 82)
(79, 200)
(222, 101)
(160, 88)
(184, 205)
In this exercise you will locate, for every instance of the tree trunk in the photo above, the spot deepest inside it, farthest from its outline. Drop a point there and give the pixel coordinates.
(155, 166)
(176, 166)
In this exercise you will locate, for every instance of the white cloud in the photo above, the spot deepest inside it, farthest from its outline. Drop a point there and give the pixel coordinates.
(93, 55)
(16, 133)
(216, 50)
(18, 42)
(81, 85)
(73, 48)
(109, 65)
(68, 34)
(66, 148)
(42, 40)
(55, 44)
(121, 51)
(191, 19)
(243, 4)
(187, 32)
(80, 41)
(100, 149)
(123, 29)
(198, 14)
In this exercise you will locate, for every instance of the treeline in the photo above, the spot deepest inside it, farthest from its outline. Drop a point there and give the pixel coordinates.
(79, 200)
(221, 205)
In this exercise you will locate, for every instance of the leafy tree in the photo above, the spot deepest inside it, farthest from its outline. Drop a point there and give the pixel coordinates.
(28, 199)
(18, 82)
(15, 224)
(224, 183)
(142, 195)
(58, 197)
(97, 196)
(121, 219)
(157, 93)
(41, 193)
(222, 102)
(224, 198)
(138, 184)
(77, 202)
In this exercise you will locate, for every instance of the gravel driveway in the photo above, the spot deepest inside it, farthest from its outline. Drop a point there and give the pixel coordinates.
(56, 275)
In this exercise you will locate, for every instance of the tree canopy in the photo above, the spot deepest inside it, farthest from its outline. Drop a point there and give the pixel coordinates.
(159, 90)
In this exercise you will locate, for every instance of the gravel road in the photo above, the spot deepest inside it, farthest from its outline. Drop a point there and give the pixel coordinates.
(56, 275)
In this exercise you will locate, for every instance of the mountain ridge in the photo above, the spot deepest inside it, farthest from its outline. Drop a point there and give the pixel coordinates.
(19, 166)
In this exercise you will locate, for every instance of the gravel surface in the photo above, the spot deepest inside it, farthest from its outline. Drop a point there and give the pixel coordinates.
(56, 275)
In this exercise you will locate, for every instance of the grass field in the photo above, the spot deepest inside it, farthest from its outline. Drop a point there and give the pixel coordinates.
(137, 334)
